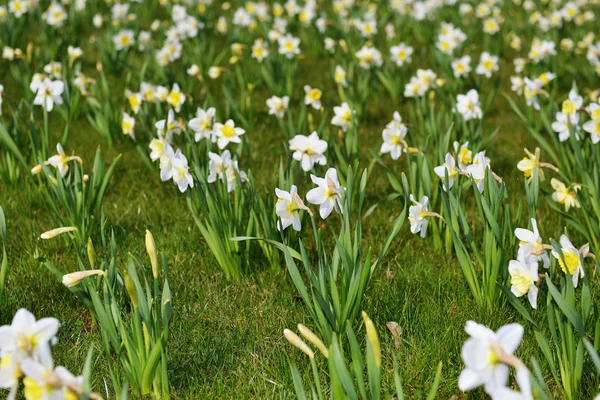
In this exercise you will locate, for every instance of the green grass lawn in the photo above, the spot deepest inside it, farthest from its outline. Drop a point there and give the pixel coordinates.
(227, 339)
(227, 336)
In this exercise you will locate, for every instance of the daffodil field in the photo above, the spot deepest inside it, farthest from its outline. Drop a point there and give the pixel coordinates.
(346, 199)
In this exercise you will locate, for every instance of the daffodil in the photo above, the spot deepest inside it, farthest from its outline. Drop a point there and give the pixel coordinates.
(123, 40)
(260, 51)
(481, 358)
(227, 133)
(343, 116)
(449, 167)
(593, 128)
(309, 150)
(417, 214)
(532, 244)
(488, 64)
(464, 155)
(393, 138)
(289, 46)
(461, 67)
(202, 124)
(570, 260)
(523, 276)
(47, 93)
(564, 195)
(328, 193)
(61, 160)
(312, 97)
(287, 208)
(531, 163)
(127, 125)
(278, 105)
(176, 98)
(468, 105)
(180, 171)
(401, 54)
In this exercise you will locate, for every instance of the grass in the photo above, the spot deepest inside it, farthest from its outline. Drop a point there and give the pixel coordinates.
(227, 339)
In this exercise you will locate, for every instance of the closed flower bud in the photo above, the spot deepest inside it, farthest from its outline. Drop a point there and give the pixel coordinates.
(131, 290)
(299, 343)
(314, 339)
(373, 339)
(91, 253)
(74, 278)
(58, 231)
(151, 249)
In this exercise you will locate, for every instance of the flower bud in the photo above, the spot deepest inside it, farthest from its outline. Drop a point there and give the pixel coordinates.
(131, 290)
(75, 278)
(314, 339)
(299, 343)
(51, 234)
(372, 337)
(151, 249)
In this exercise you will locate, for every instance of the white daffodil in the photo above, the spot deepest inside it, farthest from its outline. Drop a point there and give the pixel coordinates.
(339, 76)
(157, 148)
(343, 116)
(43, 381)
(289, 46)
(202, 124)
(468, 105)
(401, 54)
(369, 57)
(393, 138)
(180, 172)
(564, 195)
(461, 67)
(287, 208)
(477, 170)
(479, 353)
(308, 150)
(259, 50)
(127, 125)
(123, 40)
(227, 133)
(26, 337)
(563, 124)
(593, 128)
(448, 167)
(523, 378)
(570, 261)
(166, 162)
(312, 97)
(176, 98)
(417, 216)
(231, 175)
(328, 193)
(217, 165)
(523, 275)
(61, 160)
(47, 93)
(488, 64)
(464, 155)
(278, 105)
(531, 242)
